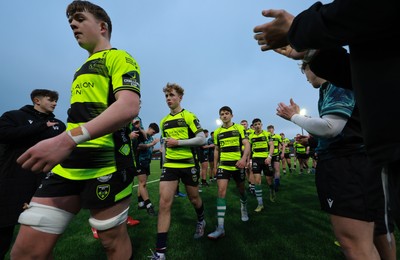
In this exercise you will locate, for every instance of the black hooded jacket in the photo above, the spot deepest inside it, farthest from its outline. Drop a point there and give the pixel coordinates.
(20, 130)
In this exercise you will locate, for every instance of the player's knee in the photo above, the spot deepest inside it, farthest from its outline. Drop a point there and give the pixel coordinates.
(45, 218)
(114, 238)
(19, 251)
(22, 251)
(195, 199)
(166, 199)
(109, 223)
(165, 205)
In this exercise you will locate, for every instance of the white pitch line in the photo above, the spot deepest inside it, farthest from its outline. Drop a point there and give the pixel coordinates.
(134, 186)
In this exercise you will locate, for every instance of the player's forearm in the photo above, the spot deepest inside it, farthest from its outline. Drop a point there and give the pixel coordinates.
(216, 157)
(119, 114)
(246, 152)
(198, 140)
(328, 126)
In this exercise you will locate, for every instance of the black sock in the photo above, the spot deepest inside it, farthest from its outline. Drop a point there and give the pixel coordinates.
(161, 245)
(147, 203)
(200, 213)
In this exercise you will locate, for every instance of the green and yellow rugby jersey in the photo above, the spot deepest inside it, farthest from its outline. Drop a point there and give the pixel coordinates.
(299, 148)
(277, 141)
(259, 144)
(286, 141)
(247, 132)
(183, 125)
(93, 90)
(229, 141)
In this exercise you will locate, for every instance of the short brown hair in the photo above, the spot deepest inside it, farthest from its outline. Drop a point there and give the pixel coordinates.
(86, 6)
(171, 86)
(53, 95)
(225, 108)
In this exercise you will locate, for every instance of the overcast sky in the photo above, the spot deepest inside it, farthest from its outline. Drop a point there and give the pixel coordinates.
(205, 46)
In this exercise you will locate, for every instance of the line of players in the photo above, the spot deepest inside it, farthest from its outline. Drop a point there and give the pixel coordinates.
(280, 148)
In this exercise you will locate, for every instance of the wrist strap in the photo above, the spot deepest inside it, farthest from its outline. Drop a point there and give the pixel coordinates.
(79, 134)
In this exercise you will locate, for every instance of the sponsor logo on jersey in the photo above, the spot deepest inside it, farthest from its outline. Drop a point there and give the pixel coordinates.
(77, 89)
(125, 149)
(131, 78)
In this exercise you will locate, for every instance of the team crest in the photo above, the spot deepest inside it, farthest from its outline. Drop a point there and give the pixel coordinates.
(194, 175)
(220, 172)
(242, 174)
(103, 191)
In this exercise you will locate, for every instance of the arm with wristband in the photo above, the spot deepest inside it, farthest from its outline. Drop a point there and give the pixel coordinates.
(48, 153)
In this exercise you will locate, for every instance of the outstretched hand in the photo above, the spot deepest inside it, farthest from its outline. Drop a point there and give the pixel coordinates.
(290, 52)
(156, 140)
(46, 154)
(287, 111)
(273, 34)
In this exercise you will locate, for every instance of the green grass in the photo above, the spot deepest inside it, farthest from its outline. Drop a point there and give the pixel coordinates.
(293, 227)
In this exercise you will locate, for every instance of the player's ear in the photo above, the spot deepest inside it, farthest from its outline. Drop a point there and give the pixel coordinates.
(36, 101)
(104, 27)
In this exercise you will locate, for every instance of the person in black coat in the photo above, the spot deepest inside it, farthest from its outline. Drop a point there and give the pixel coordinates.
(318, 34)
(20, 130)
(371, 67)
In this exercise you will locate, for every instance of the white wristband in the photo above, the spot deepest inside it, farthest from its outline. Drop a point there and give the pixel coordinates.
(79, 134)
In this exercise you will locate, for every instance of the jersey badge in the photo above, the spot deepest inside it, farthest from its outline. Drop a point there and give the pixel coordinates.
(103, 191)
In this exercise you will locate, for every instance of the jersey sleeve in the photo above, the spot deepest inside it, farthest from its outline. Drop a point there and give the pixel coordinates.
(243, 132)
(193, 123)
(216, 132)
(124, 71)
(250, 138)
(162, 127)
(338, 101)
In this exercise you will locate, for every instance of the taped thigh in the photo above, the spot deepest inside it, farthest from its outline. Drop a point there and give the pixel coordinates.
(109, 223)
(45, 218)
